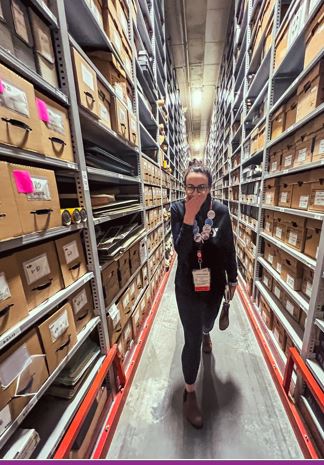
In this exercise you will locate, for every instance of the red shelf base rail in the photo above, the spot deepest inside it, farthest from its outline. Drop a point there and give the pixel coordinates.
(294, 416)
(295, 359)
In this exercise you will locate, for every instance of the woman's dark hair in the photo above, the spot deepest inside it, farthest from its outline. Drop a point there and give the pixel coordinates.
(196, 166)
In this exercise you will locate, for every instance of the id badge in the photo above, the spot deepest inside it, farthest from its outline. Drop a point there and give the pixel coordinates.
(201, 280)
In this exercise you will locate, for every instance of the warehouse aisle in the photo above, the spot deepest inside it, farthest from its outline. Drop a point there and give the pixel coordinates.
(244, 417)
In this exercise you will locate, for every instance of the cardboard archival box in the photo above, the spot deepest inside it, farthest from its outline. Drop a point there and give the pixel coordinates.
(302, 320)
(291, 111)
(5, 33)
(125, 306)
(301, 192)
(267, 279)
(307, 286)
(13, 305)
(313, 234)
(318, 150)
(288, 154)
(281, 46)
(132, 123)
(133, 293)
(136, 322)
(127, 55)
(292, 307)
(71, 257)
(143, 305)
(39, 272)
(292, 272)
(44, 51)
(58, 335)
(314, 37)
(275, 158)
(124, 269)
(278, 122)
(22, 373)
(145, 275)
(121, 349)
(311, 91)
(271, 187)
(268, 222)
(122, 126)
(86, 80)
(134, 256)
(266, 313)
(280, 221)
(128, 335)
(55, 129)
(36, 197)
(106, 105)
(277, 290)
(279, 333)
(91, 427)
(10, 225)
(110, 281)
(20, 126)
(317, 190)
(122, 17)
(110, 22)
(285, 191)
(296, 232)
(303, 145)
(114, 324)
(82, 305)
(270, 253)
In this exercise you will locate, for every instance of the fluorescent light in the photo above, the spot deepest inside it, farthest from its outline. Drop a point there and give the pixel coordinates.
(197, 146)
(196, 97)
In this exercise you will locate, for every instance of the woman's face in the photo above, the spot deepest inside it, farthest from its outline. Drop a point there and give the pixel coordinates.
(194, 181)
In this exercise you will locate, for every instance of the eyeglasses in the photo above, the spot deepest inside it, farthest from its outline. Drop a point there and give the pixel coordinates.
(202, 188)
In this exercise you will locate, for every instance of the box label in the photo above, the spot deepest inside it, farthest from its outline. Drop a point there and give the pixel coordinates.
(128, 332)
(104, 113)
(71, 252)
(36, 268)
(288, 160)
(126, 301)
(279, 267)
(279, 232)
(268, 198)
(277, 292)
(302, 154)
(87, 77)
(14, 365)
(114, 315)
(14, 99)
(4, 288)
(284, 197)
(117, 40)
(20, 23)
(119, 91)
(309, 287)
(132, 289)
(303, 201)
(292, 238)
(321, 146)
(270, 259)
(55, 122)
(59, 326)
(274, 166)
(79, 301)
(319, 198)
(268, 226)
(266, 280)
(45, 42)
(290, 307)
(41, 189)
(290, 281)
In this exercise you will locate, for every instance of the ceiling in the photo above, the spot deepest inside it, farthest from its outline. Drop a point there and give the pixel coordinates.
(196, 31)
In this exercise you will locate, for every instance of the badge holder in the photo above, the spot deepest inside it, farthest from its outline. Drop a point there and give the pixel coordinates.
(201, 277)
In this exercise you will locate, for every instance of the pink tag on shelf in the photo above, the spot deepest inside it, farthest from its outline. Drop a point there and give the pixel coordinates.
(23, 181)
(2, 87)
(42, 110)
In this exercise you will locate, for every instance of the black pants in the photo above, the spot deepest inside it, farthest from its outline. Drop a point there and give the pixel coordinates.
(198, 312)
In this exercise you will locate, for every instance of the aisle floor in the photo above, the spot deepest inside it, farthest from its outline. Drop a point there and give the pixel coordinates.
(243, 415)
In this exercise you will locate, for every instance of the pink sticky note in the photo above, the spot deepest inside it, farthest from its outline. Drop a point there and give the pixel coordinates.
(2, 87)
(42, 110)
(23, 181)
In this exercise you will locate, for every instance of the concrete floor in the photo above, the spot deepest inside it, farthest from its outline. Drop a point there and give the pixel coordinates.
(243, 414)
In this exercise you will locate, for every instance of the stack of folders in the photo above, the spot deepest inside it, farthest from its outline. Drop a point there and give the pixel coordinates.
(117, 239)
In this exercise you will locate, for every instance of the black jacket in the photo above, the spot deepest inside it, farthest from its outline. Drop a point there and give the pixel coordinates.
(218, 252)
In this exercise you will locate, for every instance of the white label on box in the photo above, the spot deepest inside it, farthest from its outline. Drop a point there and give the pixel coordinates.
(4, 288)
(41, 189)
(132, 289)
(14, 365)
(270, 259)
(274, 166)
(276, 334)
(277, 292)
(302, 154)
(14, 99)
(124, 22)
(303, 201)
(119, 91)
(321, 146)
(290, 307)
(126, 301)
(36, 268)
(268, 226)
(266, 280)
(122, 114)
(20, 22)
(117, 40)
(128, 332)
(292, 238)
(114, 315)
(309, 288)
(46, 48)
(284, 197)
(5, 418)
(79, 301)
(288, 160)
(104, 113)
(279, 232)
(55, 122)
(71, 252)
(87, 77)
(319, 198)
(290, 281)
(268, 198)
(279, 267)
(59, 326)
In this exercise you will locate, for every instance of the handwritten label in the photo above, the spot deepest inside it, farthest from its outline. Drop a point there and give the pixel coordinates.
(59, 326)
(36, 269)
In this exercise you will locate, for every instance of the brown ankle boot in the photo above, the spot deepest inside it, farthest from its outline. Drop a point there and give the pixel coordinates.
(191, 409)
(207, 344)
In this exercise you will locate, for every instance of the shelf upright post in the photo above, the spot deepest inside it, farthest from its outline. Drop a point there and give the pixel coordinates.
(66, 75)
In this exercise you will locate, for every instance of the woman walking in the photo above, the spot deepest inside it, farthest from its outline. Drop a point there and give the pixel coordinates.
(203, 240)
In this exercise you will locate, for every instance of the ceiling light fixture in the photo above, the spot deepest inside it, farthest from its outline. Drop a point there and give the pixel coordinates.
(196, 97)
